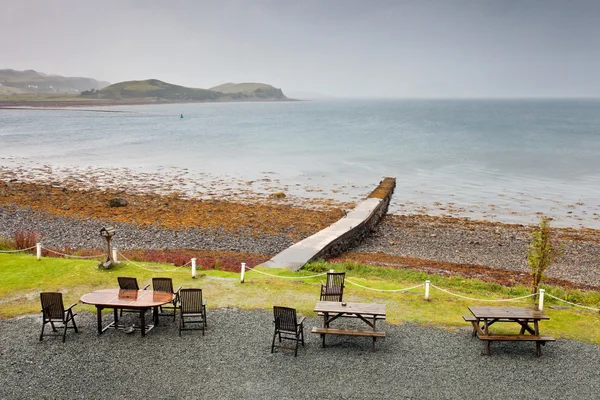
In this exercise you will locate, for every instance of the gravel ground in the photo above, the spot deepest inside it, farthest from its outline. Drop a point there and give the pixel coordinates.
(233, 361)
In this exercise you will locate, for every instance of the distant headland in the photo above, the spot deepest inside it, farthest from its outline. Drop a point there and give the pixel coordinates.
(32, 88)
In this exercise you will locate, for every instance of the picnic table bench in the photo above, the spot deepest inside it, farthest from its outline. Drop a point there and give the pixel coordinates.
(483, 317)
(368, 313)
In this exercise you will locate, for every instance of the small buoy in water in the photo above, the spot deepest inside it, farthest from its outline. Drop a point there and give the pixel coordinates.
(181, 116)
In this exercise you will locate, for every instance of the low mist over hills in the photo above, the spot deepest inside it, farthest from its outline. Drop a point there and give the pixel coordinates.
(30, 81)
(162, 91)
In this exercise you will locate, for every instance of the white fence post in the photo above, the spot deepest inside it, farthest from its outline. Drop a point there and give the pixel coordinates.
(541, 303)
(114, 251)
(193, 268)
(38, 250)
(427, 290)
(243, 272)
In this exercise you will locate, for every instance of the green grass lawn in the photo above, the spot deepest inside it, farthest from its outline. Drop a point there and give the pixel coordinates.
(22, 277)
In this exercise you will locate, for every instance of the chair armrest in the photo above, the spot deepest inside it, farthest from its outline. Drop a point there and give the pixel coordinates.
(145, 287)
(177, 291)
(71, 306)
(301, 320)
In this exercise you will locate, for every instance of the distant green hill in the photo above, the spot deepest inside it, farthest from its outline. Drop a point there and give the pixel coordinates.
(151, 88)
(30, 81)
(260, 90)
(163, 91)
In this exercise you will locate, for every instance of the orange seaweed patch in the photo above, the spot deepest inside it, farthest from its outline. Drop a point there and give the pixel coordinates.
(168, 211)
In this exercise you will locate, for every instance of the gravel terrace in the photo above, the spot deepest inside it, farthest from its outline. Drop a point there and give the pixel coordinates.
(233, 361)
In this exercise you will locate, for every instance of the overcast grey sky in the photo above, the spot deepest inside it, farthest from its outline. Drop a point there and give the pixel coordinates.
(346, 48)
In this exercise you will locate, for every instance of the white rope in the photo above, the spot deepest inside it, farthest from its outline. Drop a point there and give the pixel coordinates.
(149, 269)
(16, 251)
(490, 300)
(69, 255)
(286, 277)
(573, 304)
(385, 290)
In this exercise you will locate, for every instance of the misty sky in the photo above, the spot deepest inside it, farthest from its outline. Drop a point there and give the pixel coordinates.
(346, 48)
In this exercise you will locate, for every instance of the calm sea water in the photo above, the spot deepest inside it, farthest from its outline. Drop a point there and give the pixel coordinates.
(503, 160)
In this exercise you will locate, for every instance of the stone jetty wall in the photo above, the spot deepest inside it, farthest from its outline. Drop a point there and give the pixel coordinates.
(352, 238)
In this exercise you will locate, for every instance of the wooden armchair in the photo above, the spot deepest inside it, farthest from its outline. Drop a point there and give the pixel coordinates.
(166, 285)
(333, 290)
(287, 327)
(192, 310)
(53, 311)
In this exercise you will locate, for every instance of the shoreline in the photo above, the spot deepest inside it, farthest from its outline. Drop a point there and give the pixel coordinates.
(69, 212)
(62, 104)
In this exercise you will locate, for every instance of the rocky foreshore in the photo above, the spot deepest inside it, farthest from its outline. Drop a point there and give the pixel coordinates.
(72, 218)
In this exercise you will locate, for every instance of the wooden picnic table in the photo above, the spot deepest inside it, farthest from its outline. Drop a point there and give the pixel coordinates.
(483, 317)
(369, 313)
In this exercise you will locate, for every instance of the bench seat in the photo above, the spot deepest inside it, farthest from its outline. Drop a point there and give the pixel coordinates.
(354, 316)
(349, 332)
(508, 338)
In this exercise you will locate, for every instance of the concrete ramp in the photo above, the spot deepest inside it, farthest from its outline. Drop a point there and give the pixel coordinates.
(341, 235)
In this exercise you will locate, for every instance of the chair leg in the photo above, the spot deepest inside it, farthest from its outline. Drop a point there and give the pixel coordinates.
(72, 319)
(42, 334)
(180, 325)
(302, 335)
(296, 349)
(272, 343)
(53, 327)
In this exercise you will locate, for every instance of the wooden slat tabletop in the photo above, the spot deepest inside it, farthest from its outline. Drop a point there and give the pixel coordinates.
(352, 308)
(127, 298)
(486, 312)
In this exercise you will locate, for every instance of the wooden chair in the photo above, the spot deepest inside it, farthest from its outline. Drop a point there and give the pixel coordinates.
(53, 311)
(128, 283)
(287, 327)
(333, 290)
(192, 309)
(166, 285)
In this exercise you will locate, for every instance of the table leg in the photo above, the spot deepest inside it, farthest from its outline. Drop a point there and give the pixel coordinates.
(325, 325)
(116, 315)
(99, 317)
(155, 316)
(143, 321)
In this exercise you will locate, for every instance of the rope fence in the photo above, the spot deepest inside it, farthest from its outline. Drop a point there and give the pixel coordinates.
(488, 300)
(17, 251)
(244, 268)
(385, 290)
(427, 286)
(151, 269)
(71, 255)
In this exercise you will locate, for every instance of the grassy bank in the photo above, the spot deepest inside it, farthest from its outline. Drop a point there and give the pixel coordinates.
(23, 277)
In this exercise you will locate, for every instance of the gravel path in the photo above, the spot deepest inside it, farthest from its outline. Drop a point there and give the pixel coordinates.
(233, 361)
